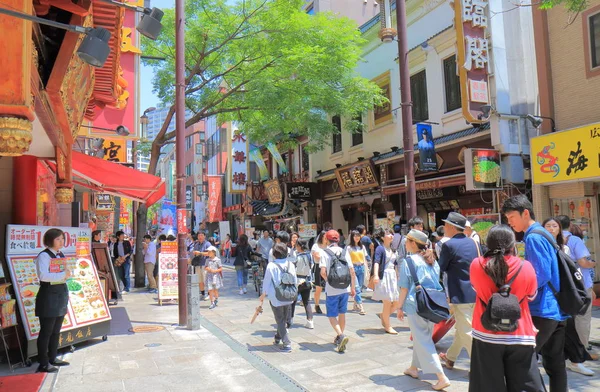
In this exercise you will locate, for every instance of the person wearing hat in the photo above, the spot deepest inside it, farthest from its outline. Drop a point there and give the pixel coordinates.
(214, 279)
(455, 261)
(337, 298)
(427, 270)
(469, 232)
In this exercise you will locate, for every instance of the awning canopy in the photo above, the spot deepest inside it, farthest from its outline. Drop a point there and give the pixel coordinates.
(109, 177)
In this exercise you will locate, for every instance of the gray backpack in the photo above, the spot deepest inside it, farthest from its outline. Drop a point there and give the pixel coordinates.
(286, 290)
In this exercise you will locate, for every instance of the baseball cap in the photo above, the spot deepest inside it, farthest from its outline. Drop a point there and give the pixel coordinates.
(332, 236)
(212, 249)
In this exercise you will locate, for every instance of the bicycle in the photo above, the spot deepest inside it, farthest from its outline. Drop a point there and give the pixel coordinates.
(258, 271)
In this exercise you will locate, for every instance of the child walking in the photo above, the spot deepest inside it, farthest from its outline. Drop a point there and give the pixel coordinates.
(227, 248)
(214, 279)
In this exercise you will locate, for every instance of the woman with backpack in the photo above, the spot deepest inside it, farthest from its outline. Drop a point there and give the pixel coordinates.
(503, 356)
(427, 271)
(304, 266)
(356, 254)
(241, 268)
(385, 277)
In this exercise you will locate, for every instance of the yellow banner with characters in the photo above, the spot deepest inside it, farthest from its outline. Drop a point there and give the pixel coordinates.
(566, 156)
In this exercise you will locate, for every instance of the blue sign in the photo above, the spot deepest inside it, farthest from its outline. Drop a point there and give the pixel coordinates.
(427, 157)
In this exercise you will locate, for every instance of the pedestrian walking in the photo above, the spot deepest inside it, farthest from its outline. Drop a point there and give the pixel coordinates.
(397, 241)
(427, 270)
(455, 261)
(339, 285)
(265, 244)
(545, 311)
(122, 250)
(304, 267)
(366, 241)
(386, 277)
(442, 238)
(469, 232)
(342, 243)
(199, 262)
(214, 277)
(227, 248)
(273, 288)
(281, 237)
(504, 360)
(317, 255)
(357, 255)
(149, 261)
(241, 262)
(416, 223)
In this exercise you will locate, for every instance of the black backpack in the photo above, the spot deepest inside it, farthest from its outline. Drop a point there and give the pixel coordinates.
(571, 295)
(339, 272)
(503, 309)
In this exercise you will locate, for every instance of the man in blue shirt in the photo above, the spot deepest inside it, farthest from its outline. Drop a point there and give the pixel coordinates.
(201, 250)
(455, 260)
(546, 314)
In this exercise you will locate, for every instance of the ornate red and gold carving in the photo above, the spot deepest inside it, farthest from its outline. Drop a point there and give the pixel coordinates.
(64, 193)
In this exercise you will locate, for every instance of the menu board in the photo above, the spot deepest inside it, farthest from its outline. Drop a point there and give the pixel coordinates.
(167, 271)
(87, 304)
(307, 230)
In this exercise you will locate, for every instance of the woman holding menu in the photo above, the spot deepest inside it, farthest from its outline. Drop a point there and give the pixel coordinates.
(51, 300)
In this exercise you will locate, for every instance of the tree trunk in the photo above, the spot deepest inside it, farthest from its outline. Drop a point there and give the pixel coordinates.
(142, 223)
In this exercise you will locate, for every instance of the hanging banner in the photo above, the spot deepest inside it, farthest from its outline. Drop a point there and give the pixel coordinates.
(482, 169)
(189, 197)
(198, 169)
(277, 156)
(215, 205)
(168, 218)
(237, 169)
(256, 157)
(168, 273)
(427, 158)
(471, 22)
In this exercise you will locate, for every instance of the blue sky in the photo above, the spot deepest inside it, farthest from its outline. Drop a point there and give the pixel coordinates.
(148, 98)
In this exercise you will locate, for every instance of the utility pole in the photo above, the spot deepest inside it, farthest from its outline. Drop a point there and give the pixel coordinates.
(406, 105)
(179, 154)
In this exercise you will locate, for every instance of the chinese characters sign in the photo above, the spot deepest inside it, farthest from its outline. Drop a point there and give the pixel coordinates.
(104, 202)
(471, 22)
(215, 207)
(273, 191)
(302, 190)
(356, 177)
(566, 156)
(237, 161)
(114, 150)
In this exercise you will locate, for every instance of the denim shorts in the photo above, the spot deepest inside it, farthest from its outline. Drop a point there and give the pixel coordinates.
(337, 304)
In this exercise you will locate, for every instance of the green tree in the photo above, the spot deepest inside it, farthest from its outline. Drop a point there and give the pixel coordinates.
(571, 5)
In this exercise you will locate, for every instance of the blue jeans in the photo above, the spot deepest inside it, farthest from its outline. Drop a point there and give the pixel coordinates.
(126, 274)
(360, 278)
(242, 276)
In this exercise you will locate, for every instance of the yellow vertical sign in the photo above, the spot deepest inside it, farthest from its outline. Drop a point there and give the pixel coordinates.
(115, 150)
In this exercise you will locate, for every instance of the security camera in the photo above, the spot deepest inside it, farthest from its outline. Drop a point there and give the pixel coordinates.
(534, 120)
(485, 110)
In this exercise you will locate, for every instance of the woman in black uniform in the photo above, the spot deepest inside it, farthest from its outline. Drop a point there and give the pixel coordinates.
(51, 301)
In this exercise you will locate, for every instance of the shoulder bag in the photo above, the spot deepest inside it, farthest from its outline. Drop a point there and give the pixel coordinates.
(432, 304)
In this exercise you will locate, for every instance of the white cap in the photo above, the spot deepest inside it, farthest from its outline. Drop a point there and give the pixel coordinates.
(468, 224)
(212, 249)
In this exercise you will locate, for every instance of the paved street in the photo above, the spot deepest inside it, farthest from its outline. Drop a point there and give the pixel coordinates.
(230, 354)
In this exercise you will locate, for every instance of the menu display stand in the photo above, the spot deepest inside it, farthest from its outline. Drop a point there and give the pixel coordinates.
(106, 270)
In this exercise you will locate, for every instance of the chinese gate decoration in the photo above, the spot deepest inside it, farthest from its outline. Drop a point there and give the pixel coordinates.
(566, 156)
(356, 177)
(237, 168)
(471, 22)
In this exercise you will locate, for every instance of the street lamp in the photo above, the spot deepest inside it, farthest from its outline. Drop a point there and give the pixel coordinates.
(150, 25)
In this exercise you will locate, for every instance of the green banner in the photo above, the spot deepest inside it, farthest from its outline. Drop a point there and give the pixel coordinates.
(275, 152)
(256, 156)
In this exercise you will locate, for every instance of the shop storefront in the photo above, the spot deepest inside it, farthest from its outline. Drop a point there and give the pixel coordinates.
(566, 172)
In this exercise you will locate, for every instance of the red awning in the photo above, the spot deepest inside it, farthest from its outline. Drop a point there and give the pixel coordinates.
(109, 177)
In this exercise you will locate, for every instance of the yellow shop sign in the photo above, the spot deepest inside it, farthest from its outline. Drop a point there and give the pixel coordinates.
(566, 156)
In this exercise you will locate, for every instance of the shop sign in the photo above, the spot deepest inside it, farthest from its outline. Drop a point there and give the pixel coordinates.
(198, 171)
(182, 221)
(427, 156)
(104, 202)
(301, 190)
(433, 184)
(215, 206)
(115, 150)
(482, 169)
(430, 194)
(471, 23)
(566, 156)
(237, 165)
(307, 230)
(356, 177)
(189, 195)
(273, 191)
(168, 272)
(124, 218)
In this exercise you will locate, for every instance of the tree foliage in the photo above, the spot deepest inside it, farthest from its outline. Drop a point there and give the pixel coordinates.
(571, 5)
(266, 64)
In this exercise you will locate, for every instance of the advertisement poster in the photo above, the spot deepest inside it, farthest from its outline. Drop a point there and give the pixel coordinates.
(431, 220)
(427, 158)
(482, 224)
(383, 223)
(167, 271)
(482, 169)
(167, 220)
(308, 230)
(215, 207)
(87, 303)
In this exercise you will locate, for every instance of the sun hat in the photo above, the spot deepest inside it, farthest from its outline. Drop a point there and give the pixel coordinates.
(417, 236)
(456, 219)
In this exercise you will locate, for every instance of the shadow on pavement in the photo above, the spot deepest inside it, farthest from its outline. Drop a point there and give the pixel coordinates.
(120, 323)
(266, 348)
(377, 331)
(264, 333)
(315, 347)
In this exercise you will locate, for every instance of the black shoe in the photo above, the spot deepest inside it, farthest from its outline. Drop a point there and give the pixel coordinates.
(318, 309)
(47, 369)
(59, 362)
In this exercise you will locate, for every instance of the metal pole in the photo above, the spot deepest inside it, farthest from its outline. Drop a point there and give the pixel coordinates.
(180, 150)
(406, 105)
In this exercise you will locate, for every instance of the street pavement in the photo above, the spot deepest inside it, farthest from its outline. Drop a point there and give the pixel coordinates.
(230, 354)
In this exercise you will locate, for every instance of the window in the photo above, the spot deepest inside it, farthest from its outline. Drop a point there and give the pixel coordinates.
(188, 142)
(305, 158)
(452, 84)
(188, 170)
(337, 136)
(357, 134)
(418, 90)
(594, 23)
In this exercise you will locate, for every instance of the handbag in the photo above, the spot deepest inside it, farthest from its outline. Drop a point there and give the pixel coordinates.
(371, 284)
(432, 304)
(119, 261)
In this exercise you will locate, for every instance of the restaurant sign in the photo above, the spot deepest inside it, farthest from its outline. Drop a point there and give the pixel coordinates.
(302, 190)
(566, 156)
(471, 22)
(356, 177)
(273, 191)
(104, 202)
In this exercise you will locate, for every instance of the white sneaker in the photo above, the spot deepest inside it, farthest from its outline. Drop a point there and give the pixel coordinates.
(579, 368)
(245, 290)
(369, 290)
(241, 292)
(310, 324)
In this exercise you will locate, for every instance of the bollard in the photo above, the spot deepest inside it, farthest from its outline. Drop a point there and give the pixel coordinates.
(193, 302)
